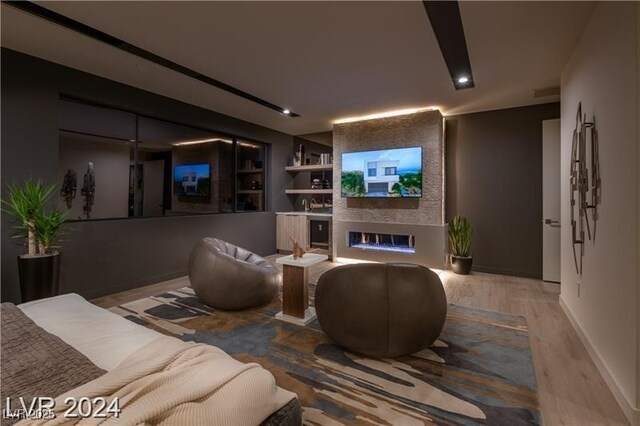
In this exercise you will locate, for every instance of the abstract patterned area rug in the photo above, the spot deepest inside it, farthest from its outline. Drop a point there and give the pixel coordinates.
(480, 371)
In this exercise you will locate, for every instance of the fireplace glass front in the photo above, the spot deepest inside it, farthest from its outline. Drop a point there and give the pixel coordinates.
(382, 242)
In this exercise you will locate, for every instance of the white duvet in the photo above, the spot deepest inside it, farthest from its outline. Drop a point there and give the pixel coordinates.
(103, 337)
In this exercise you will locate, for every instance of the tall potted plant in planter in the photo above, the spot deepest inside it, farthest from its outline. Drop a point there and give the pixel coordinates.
(39, 268)
(460, 232)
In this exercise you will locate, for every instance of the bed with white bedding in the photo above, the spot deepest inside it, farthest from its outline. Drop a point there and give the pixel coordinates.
(153, 369)
(103, 337)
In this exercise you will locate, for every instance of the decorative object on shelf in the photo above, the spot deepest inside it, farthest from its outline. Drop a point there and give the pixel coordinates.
(585, 194)
(326, 184)
(316, 184)
(256, 185)
(88, 190)
(298, 156)
(325, 158)
(69, 185)
(328, 201)
(460, 233)
(298, 252)
(249, 204)
(302, 156)
(39, 269)
(313, 204)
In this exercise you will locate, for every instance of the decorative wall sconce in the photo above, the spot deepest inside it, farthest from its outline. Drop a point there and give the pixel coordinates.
(88, 190)
(69, 185)
(585, 185)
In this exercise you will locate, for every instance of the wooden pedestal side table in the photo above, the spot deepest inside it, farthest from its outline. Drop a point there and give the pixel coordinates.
(295, 289)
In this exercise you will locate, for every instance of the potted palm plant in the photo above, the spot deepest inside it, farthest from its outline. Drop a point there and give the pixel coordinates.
(39, 268)
(460, 232)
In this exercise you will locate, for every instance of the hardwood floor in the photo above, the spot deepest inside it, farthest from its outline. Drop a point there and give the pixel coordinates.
(570, 389)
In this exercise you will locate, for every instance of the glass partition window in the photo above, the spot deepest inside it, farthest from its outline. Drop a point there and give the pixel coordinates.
(114, 164)
(185, 170)
(93, 174)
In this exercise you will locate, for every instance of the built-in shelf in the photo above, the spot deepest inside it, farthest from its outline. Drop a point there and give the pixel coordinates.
(309, 168)
(308, 191)
(249, 171)
(250, 191)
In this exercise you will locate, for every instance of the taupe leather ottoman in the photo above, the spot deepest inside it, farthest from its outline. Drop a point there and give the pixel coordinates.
(381, 310)
(225, 276)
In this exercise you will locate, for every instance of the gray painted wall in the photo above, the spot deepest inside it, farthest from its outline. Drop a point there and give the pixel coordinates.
(112, 255)
(494, 177)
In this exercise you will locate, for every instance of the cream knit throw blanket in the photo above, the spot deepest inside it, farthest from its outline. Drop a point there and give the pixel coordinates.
(170, 382)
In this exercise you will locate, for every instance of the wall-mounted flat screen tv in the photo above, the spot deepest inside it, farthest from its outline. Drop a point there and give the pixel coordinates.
(384, 173)
(192, 180)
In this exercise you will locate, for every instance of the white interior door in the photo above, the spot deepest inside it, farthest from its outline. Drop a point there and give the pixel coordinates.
(153, 188)
(551, 200)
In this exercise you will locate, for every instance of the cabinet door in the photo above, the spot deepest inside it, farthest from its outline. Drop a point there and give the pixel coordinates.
(299, 231)
(290, 227)
(282, 237)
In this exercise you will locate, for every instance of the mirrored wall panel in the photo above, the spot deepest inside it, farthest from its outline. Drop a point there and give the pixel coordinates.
(95, 150)
(183, 170)
(115, 164)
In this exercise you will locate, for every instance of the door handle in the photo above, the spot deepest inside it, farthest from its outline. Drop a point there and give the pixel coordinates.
(551, 222)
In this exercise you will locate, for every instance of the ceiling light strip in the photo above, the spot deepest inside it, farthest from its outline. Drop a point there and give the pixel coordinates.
(447, 25)
(384, 114)
(201, 141)
(79, 27)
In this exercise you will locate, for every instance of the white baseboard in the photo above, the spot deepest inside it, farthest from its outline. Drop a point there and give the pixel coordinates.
(628, 408)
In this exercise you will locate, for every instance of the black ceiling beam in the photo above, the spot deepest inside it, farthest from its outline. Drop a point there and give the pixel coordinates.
(79, 27)
(447, 25)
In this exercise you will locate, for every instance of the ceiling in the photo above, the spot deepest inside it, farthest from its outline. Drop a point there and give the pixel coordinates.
(322, 60)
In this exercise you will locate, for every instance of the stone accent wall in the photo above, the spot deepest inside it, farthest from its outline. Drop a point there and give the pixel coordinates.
(423, 129)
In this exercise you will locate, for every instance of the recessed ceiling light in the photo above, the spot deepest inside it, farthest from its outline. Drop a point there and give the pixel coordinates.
(286, 111)
(463, 80)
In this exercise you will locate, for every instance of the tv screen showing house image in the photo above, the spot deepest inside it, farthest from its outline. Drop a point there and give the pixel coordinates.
(385, 173)
(191, 180)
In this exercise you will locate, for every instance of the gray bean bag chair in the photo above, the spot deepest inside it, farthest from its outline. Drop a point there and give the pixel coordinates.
(228, 277)
(381, 310)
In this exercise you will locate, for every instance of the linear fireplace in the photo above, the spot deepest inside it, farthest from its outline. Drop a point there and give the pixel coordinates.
(395, 243)
(390, 242)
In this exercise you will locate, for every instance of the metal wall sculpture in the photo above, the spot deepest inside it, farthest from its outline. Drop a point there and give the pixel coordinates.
(88, 190)
(585, 185)
(69, 185)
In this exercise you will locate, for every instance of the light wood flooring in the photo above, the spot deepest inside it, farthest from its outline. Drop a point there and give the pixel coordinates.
(570, 389)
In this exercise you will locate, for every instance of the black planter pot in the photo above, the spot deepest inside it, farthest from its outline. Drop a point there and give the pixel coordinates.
(461, 265)
(39, 276)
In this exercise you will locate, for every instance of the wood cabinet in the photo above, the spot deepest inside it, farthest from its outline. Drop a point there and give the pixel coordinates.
(291, 227)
